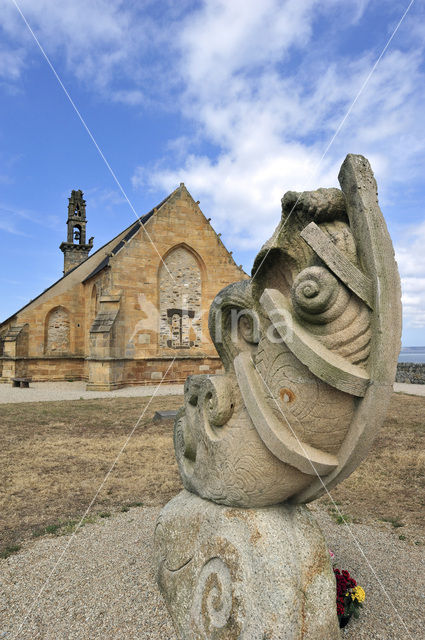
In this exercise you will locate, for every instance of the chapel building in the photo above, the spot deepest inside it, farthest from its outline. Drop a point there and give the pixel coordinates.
(134, 312)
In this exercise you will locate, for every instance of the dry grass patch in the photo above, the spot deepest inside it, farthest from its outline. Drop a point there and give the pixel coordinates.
(55, 455)
(390, 484)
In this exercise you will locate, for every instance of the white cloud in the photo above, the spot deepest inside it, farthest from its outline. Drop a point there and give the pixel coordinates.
(9, 224)
(11, 63)
(103, 198)
(103, 43)
(269, 105)
(271, 119)
(224, 38)
(13, 218)
(241, 190)
(132, 97)
(263, 86)
(411, 262)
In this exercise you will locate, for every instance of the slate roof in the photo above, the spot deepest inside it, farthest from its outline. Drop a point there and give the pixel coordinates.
(131, 231)
(103, 322)
(13, 333)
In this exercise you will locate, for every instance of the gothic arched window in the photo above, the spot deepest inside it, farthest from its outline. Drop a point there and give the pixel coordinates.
(180, 300)
(58, 331)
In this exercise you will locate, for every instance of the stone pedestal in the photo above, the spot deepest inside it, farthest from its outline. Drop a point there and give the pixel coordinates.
(251, 574)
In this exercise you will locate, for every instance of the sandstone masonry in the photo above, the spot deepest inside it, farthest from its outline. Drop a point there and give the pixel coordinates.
(134, 311)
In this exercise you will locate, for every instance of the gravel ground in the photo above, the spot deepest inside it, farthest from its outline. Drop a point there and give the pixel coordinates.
(412, 389)
(104, 587)
(389, 564)
(45, 391)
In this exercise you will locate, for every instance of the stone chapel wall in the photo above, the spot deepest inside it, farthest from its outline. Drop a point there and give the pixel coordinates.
(60, 320)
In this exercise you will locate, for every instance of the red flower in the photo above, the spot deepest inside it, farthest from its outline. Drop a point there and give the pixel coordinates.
(344, 586)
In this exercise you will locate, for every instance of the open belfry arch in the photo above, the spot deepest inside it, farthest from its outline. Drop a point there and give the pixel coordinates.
(75, 250)
(134, 311)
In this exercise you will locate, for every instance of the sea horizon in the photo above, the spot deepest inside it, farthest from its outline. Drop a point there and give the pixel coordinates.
(412, 354)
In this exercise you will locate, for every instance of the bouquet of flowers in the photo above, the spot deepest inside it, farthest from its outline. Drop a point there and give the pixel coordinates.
(349, 597)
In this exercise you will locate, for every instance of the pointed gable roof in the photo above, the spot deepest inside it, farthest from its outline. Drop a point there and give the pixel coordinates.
(129, 233)
(100, 258)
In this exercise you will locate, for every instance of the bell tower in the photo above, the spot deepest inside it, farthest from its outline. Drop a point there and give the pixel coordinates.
(75, 250)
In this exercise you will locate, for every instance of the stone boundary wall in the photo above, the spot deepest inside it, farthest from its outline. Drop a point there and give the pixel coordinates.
(411, 372)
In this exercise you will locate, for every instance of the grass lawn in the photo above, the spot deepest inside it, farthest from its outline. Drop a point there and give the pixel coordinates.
(54, 456)
(390, 483)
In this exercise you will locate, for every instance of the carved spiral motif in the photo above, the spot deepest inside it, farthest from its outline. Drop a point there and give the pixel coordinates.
(217, 398)
(317, 296)
(185, 444)
(213, 599)
(248, 327)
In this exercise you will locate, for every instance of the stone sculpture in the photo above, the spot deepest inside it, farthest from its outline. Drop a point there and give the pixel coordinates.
(309, 347)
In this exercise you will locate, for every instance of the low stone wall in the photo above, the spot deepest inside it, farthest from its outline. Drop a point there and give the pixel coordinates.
(410, 372)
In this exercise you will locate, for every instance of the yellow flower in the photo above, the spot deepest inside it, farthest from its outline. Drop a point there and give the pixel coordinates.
(358, 594)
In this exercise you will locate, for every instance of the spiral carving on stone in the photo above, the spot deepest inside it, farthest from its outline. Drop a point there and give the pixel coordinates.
(217, 400)
(213, 601)
(317, 296)
(298, 343)
(248, 327)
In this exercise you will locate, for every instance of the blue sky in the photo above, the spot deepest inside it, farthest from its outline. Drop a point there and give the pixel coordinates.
(238, 99)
